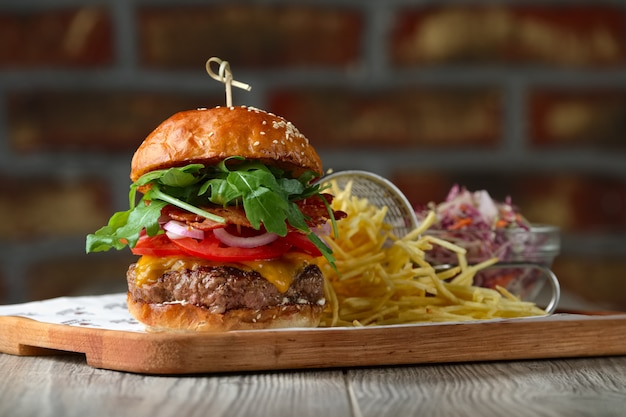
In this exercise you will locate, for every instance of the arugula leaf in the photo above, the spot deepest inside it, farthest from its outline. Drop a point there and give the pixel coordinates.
(221, 166)
(267, 207)
(125, 227)
(222, 192)
(105, 238)
(181, 177)
(296, 218)
(291, 186)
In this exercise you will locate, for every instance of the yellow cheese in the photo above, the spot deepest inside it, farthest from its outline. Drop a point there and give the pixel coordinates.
(150, 268)
(280, 272)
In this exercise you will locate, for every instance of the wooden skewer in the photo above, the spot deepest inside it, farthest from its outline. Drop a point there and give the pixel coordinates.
(225, 76)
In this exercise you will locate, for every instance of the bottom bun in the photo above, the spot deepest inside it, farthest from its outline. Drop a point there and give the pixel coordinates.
(188, 317)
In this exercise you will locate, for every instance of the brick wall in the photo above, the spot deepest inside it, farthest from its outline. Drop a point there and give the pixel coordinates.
(525, 98)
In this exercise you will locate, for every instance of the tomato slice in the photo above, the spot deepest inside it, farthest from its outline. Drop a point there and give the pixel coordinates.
(159, 245)
(301, 242)
(212, 249)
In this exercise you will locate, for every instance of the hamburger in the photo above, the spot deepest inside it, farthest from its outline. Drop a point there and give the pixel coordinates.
(225, 214)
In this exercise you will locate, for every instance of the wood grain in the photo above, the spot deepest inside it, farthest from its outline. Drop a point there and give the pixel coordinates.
(575, 387)
(176, 353)
(64, 385)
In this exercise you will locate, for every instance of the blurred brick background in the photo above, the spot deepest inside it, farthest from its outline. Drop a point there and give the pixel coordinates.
(526, 98)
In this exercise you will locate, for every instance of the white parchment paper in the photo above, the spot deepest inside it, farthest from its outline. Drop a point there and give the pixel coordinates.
(102, 311)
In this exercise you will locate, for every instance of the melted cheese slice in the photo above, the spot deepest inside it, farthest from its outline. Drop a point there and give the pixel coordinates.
(280, 272)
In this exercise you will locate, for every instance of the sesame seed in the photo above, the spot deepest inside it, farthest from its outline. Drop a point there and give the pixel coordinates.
(262, 133)
(256, 143)
(274, 141)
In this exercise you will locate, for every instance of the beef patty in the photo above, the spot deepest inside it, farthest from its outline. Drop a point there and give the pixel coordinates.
(223, 288)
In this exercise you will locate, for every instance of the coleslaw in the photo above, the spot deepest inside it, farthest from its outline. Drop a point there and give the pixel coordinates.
(487, 228)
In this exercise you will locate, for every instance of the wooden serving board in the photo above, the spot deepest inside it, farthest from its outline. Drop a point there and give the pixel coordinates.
(569, 335)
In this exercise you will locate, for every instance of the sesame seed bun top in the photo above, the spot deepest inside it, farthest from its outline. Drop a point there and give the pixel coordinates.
(208, 136)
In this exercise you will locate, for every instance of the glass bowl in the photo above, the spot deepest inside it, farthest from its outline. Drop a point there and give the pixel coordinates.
(525, 257)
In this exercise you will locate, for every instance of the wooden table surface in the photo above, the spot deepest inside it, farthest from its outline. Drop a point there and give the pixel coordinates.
(65, 386)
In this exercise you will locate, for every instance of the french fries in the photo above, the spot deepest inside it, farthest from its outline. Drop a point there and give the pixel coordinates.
(381, 279)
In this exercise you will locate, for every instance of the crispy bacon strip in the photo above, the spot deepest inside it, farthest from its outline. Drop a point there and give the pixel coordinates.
(313, 209)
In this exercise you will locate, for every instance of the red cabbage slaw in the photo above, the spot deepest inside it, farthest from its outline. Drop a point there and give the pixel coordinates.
(463, 208)
(486, 228)
(476, 222)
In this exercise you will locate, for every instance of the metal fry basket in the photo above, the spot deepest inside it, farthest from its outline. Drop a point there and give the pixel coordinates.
(380, 192)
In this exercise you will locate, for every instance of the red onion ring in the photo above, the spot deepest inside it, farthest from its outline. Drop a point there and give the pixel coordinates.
(244, 242)
(178, 230)
(323, 230)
